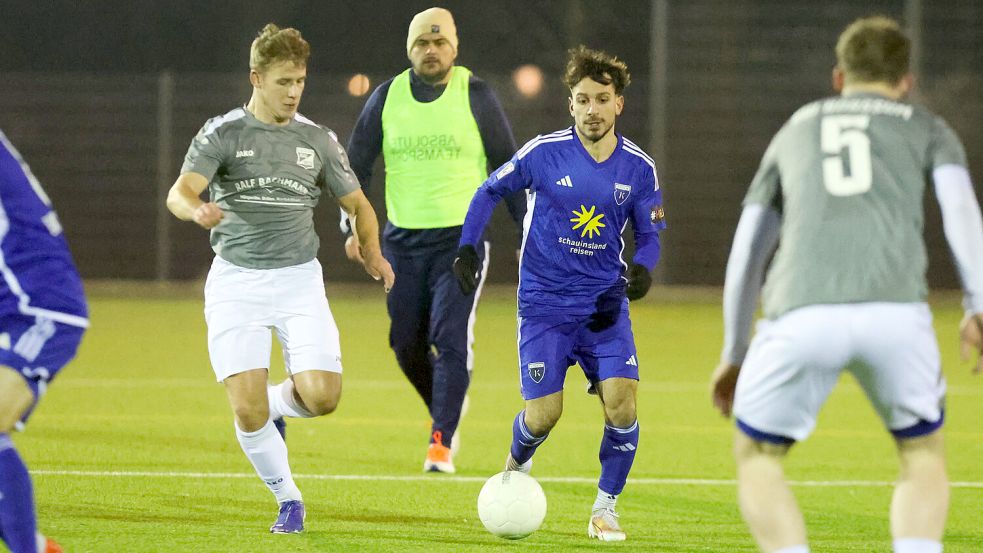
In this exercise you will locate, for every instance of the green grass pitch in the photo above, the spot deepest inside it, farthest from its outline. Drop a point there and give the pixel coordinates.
(133, 449)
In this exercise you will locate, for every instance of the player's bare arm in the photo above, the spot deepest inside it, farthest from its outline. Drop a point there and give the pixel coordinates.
(183, 200)
(971, 339)
(723, 383)
(365, 226)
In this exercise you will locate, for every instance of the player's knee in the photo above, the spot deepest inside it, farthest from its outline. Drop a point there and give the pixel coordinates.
(540, 422)
(9, 415)
(622, 419)
(409, 353)
(319, 391)
(621, 414)
(454, 360)
(323, 404)
(250, 418)
(17, 398)
(7, 424)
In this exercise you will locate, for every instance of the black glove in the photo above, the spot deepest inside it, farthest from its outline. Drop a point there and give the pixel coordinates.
(639, 282)
(467, 269)
(607, 309)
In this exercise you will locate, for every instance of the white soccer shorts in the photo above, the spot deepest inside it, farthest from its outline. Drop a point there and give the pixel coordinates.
(242, 306)
(795, 361)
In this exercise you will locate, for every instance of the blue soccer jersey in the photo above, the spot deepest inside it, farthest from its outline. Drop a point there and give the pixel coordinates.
(577, 210)
(39, 275)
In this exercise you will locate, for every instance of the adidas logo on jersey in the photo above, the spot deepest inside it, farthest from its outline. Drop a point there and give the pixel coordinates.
(625, 447)
(565, 181)
(244, 153)
(631, 361)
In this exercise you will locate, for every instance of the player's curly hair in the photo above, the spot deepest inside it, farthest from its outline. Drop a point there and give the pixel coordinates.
(274, 45)
(600, 66)
(873, 49)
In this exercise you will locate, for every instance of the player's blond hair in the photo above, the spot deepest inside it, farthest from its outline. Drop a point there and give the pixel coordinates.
(873, 49)
(273, 45)
(582, 62)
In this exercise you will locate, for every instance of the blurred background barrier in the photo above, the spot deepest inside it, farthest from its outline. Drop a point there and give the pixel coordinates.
(103, 99)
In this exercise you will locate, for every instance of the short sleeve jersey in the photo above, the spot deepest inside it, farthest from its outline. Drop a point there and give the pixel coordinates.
(848, 176)
(267, 179)
(577, 210)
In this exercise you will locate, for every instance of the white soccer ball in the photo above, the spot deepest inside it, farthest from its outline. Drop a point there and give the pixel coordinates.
(512, 505)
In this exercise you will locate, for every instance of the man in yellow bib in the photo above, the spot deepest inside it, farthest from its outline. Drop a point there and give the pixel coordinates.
(439, 129)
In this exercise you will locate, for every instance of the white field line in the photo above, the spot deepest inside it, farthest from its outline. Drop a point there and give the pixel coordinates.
(474, 479)
(651, 386)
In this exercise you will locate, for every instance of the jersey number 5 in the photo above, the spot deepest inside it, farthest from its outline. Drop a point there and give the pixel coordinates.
(846, 135)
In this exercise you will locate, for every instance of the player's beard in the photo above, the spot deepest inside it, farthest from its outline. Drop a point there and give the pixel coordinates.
(433, 76)
(595, 136)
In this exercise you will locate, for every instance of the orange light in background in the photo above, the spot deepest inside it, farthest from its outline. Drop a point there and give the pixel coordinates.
(528, 80)
(358, 85)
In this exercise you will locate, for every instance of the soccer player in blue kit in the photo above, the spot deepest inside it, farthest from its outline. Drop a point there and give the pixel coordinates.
(585, 184)
(43, 315)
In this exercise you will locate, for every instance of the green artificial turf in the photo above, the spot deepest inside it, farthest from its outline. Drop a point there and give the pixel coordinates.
(133, 448)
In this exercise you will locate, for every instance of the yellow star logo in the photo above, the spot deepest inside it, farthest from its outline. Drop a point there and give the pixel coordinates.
(585, 218)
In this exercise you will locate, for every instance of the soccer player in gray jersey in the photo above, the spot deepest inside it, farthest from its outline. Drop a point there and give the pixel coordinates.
(265, 167)
(839, 191)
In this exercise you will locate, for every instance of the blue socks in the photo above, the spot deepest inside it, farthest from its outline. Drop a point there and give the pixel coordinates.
(617, 454)
(524, 444)
(18, 524)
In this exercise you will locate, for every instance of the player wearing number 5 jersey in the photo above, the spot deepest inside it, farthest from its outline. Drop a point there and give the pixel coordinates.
(839, 191)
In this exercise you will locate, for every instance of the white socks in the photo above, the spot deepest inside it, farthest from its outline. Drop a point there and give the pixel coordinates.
(794, 549)
(268, 454)
(916, 545)
(604, 501)
(283, 403)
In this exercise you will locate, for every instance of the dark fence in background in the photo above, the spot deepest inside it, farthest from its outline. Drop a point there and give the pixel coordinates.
(106, 145)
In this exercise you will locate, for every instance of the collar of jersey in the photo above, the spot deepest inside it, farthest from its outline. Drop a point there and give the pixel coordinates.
(269, 126)
(583, 150)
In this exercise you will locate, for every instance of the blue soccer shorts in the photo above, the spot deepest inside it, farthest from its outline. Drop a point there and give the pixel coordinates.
(549, 345)
(37, 348)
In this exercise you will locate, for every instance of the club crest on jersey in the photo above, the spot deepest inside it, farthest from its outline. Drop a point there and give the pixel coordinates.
(537, 371)
(621, 192)
(305, 157)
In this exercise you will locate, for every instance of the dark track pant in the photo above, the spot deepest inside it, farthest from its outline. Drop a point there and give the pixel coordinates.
(429, 333)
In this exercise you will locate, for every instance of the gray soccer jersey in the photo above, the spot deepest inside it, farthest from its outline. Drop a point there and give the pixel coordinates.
(848, 175)
(267, 179)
